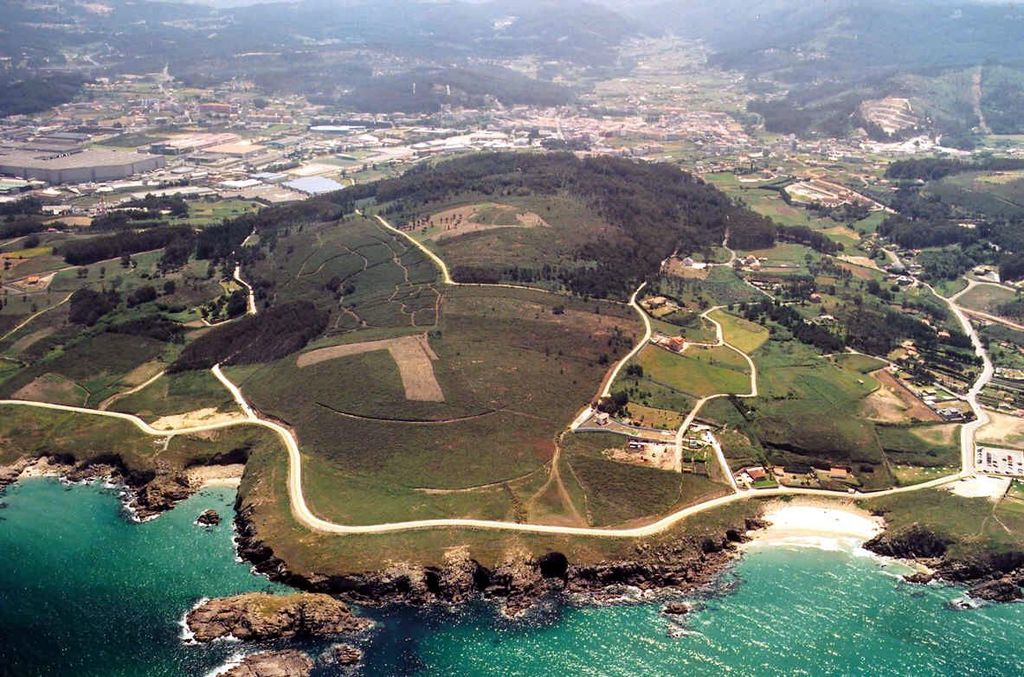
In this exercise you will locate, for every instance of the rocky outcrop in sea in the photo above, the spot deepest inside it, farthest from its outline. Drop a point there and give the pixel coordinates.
(259, 616)
(273, 664)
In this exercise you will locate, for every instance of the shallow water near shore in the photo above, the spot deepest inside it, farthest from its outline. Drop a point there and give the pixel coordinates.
(84, 592)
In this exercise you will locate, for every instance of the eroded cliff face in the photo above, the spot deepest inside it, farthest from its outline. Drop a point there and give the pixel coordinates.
(259, 616)
(682, 565)
(991, 576)
(148, 493)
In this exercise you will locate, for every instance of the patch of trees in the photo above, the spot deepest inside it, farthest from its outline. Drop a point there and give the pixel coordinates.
(156, 327)
(178, 250)
(1011, 268)
(920, 234)
(143, 294)
(1013, 309)
(820, 337)
(21, 226)
(656, 207)
(877, 332)
(237, 304)
(87, 306)
(271, 335)
(219, 242)
(83, 252)
(816, 240)
(21, 96)
(24, 206)
(175, 205)
(615, 404)
(931, 169)
(951, 263)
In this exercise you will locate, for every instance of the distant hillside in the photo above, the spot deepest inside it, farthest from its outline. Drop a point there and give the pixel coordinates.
(827, 58)
(367, 54)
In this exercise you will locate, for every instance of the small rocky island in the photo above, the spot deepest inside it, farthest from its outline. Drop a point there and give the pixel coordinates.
(288, 663)
(208, 518)
(259, 616)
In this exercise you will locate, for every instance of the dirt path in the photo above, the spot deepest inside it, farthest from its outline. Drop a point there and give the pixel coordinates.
(33, 316)
(302, 513)
(976, 101)
(105, 404)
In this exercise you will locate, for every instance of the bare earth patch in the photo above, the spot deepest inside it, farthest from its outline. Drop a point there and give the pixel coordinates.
(473, 218)
(189, 419)
(893, 403)
(1002, 430)
(52, 388)
(412, 354)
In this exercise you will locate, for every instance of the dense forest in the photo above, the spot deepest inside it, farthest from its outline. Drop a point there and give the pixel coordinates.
(84, 252)
(656, 207)
(29, 93)
(270, 335)
(931, 169)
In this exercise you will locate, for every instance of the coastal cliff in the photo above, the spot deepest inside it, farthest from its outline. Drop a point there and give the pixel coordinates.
(147, 493)
(991, 576)
(678, 566)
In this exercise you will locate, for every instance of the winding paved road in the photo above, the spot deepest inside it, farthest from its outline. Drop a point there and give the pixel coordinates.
(302, 513)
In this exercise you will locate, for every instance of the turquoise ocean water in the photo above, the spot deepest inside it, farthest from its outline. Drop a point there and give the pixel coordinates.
(84, 592)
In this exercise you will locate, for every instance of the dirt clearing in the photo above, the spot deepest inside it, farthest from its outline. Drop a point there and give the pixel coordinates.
(473, 218)
(894, 403)
(412, 354)
(1002, 430)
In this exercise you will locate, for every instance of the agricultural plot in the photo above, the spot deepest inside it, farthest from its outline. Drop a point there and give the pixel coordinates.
(86, 372)
(784, 258)
(807, 413)
(173, 394)
(519, 240)
(513, 373)
(363, 274)
(921, 446)
(617, 493)
(698, 372)
(986, 298)
(743, 334)
(477, 217)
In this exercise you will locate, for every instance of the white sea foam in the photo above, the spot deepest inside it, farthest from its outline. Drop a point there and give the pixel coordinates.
(233, 661)
(187, 636)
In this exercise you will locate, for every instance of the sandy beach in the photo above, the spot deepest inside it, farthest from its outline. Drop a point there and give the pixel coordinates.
(216, 475)
(816, 524)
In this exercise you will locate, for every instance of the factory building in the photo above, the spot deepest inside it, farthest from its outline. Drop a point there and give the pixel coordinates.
(79, 167)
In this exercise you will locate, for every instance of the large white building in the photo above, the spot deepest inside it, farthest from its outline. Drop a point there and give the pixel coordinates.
(77, 167)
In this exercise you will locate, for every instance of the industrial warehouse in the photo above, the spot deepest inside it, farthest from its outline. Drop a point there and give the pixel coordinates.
(77, 167)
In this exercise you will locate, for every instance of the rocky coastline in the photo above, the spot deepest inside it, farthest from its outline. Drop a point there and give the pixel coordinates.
(146, 493)
(678, 567)
(993, 577)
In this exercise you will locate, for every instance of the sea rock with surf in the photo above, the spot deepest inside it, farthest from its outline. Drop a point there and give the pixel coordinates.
(289, 663)
(208, 518)
(259, 616)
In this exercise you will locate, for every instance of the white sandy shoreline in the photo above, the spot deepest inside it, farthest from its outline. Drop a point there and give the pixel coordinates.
(816, 524)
